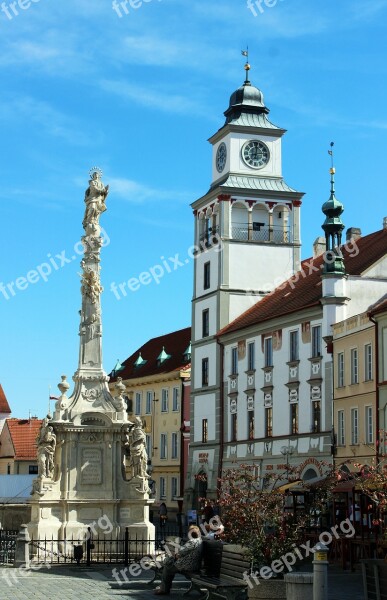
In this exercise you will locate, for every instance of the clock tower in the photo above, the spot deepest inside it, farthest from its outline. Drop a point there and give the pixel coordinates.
(247, 235)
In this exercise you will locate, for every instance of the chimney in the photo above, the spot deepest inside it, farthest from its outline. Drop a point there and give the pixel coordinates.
(385, 223)
(353, 234)
(319, 247)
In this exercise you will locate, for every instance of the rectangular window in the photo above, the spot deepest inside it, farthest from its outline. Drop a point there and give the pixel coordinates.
(234, 427)
(354, 366)
(368, 362)
(148, 403)
(316, 416)
(340, 370)
(163, 488)
(175, 399)
(207, 275)
(316, 341)
(251, 356)
(340, 428)
(174, 486)
(174, 445)
(268, 352)
(268, 422)
(251, 424)
(204, 430)
(138, 403)
(206, 323)
(148, 444)
(163, 445)
(369, 425)
(234, 361)
(354, 426)
(164, 399)
(33, 469)
(204, 371)
(294, 418)
(294, 352)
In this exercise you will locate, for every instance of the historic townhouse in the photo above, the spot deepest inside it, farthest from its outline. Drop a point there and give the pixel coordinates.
(262, 384)
(354, 386)
(157, 378)
(378, 314)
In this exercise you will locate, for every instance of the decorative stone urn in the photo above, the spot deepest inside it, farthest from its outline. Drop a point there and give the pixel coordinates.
(268, 589)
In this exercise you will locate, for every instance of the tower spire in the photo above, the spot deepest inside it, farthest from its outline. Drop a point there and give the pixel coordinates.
(333, 227)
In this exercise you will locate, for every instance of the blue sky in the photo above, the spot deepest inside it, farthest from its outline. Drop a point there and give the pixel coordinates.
(139, 96)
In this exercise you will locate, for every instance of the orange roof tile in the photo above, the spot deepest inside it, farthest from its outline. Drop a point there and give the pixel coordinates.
(4, 406)
(303, 290)
(175, 344)
(23, 433)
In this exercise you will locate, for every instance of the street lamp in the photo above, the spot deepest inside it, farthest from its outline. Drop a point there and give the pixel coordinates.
(287, 451)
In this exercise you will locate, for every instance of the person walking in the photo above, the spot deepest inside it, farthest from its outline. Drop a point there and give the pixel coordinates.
(163, 514)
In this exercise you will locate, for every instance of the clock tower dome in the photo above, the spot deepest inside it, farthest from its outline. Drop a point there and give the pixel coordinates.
(247, 235)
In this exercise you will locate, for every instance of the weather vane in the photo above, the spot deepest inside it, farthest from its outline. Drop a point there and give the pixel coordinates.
(247, 65)
(330, 152)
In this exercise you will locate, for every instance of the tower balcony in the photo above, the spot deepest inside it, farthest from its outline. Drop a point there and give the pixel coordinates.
(210, 237)
(261, 233)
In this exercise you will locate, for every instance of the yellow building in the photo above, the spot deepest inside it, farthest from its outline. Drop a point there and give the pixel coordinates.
(354, 385)
(157, 379)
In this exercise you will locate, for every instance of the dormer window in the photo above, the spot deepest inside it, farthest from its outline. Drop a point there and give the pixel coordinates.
(162, 357)
(139, 361)
(187, 353)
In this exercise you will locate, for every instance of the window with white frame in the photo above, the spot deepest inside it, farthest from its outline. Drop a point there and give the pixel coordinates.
(163, 488)
(368, 362)
(174, 445)
(163, 445)
(148, 403)
(138, 403)
(164, 400)
(148, 444)
(340, 370)
(354, 366)
(316, 341)
(174, 488)
(294, 346)
(234, 361)
(354, 426)
(175, 399)
(369, 425)
(340, 428)
(251, 356)
(268, 351)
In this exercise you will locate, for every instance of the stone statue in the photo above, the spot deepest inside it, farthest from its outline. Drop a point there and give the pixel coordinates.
(95, 203)
(91, 285)
(46, 442)
(138, 458)
(119, 401)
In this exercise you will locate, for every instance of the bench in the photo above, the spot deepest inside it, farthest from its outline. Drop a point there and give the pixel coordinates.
(211, 564)
(230, 582)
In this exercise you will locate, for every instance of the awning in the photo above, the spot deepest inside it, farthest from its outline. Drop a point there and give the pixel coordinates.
(289, 486)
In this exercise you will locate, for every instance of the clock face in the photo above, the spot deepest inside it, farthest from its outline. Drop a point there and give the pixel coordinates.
(221, 157)
(255, 154)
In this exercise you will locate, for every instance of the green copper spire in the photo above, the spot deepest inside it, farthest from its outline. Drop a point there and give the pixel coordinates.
(333, 228)
(139, 361)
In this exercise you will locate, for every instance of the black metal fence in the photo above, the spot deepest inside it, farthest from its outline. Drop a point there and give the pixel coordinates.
(101, 549)
(7, 545)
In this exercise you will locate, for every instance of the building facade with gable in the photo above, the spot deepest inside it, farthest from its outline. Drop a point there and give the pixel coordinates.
(378, 315)
(157, 377)
(18, 448)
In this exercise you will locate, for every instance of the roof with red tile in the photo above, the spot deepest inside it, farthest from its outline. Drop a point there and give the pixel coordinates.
(175, 344)
(4, 406)
(303, 290)
(378, 307)
(23, 434)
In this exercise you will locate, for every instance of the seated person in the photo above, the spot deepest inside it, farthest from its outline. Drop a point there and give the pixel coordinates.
(188, 559)
(214, 532)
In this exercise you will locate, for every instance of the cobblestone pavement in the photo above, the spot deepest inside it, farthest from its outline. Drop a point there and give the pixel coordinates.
(83, 583)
